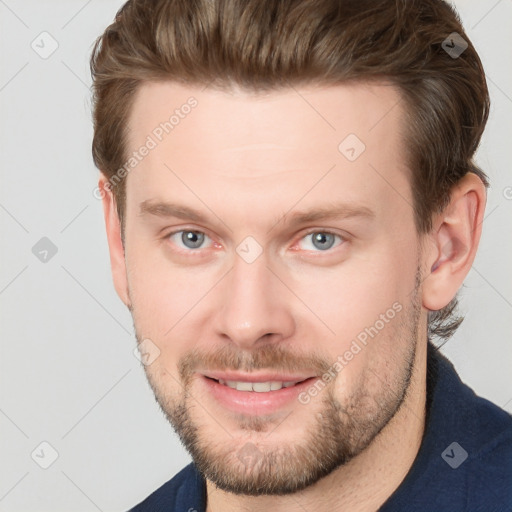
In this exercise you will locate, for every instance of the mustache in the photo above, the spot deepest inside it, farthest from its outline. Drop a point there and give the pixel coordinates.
(269, 357)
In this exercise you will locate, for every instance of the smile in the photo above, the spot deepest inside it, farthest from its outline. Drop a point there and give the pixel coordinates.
(259, 387)
(264, 394)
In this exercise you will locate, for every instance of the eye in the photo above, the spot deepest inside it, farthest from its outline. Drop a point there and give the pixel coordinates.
(189, 239)
(321, 240)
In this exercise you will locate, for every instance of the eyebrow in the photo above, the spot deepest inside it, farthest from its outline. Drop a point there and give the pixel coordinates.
(335, 211)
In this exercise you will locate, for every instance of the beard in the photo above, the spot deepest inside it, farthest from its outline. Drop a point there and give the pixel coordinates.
(336, 431)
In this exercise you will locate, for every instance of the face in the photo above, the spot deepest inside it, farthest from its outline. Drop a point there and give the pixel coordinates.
(272, 271)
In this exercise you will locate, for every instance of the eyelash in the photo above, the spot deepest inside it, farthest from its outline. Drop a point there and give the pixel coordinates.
(311, 231)
(326, 232)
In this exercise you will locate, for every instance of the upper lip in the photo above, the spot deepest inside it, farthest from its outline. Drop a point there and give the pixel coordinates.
(256, 377)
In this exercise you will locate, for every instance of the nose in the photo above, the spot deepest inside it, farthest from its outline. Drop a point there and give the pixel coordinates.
(256, 307)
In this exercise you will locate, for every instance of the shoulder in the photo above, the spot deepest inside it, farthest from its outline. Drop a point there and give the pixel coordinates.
(475, 443)
(184, 491)
(489, 468)
(481, 423)
(465, 459)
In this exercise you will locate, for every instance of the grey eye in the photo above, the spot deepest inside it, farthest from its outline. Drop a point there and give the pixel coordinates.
(192, 239)
(322, 240)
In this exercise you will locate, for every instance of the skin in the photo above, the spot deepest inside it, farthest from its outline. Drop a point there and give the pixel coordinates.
(246, 161)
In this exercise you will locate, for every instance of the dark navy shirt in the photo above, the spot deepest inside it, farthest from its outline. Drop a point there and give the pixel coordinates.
(464, 463)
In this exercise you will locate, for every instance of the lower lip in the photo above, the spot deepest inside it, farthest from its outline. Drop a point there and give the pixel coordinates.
(253, 402)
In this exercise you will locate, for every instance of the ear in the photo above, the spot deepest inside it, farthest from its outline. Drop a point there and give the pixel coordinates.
(115, 243)
(454, 241)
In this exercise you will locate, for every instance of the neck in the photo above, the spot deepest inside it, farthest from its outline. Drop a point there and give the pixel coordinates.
(364, 483)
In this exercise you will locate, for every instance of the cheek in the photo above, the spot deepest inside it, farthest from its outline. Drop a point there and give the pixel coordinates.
(355, 295)
(165, 297)
(161, 300)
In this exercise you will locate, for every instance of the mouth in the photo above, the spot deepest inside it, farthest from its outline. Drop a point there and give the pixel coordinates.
(258, 387)
(254, 395)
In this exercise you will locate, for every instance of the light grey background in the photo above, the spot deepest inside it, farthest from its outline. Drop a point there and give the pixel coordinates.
(68, 373)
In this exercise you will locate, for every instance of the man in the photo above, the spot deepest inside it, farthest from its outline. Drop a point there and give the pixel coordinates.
(291, 206)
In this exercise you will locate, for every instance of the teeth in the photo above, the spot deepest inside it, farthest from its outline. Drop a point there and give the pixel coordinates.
(259, 387)
(243, 386)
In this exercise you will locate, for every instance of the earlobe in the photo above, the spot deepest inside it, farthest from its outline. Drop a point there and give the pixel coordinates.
(115, 244)
(453, 242)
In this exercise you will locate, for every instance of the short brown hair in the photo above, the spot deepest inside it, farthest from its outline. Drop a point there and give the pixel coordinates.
(265, 45)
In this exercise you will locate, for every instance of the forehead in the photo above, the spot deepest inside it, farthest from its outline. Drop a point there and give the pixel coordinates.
(316, 142)
(238, 116)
